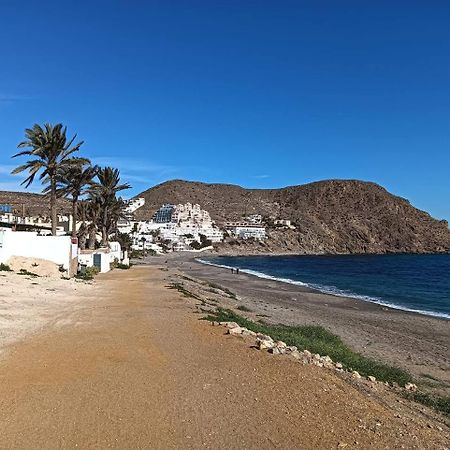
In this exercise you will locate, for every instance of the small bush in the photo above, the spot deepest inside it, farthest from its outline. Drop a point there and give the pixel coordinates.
(243, 308)
(26, 272)
(441, 404)
(123, 266)
(89, 273)
(5, 268)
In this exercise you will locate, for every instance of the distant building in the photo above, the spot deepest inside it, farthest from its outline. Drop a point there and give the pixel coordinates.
(132, 205)
(284, 223)
(245, 230)
(164, 214)
(255, 219)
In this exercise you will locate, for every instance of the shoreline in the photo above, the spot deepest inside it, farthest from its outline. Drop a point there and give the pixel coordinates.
(301, 284)
(412, 341)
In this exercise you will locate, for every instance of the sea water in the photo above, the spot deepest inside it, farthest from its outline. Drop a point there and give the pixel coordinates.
(418, 283)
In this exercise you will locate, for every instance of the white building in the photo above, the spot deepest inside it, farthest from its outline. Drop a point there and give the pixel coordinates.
(245, 230)
(132, 205)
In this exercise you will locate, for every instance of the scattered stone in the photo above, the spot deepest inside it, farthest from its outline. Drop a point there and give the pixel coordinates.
(338, 366)
(411, 387)
(295, 354)
(371, 378)
(356, 375)
(275, 351)
(263, 344)
(263, 337)
(292, 348)
(235, 331)
(281, 344)
(229, 324)
(307, 353)
(246, 332)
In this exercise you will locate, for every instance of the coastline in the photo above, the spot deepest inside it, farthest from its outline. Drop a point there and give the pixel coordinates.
(415, 342)
(324, 289)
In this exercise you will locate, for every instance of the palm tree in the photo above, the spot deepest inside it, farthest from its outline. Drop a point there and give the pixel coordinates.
(105, 192)
(94, 209)
(74, 181)
(50, 150)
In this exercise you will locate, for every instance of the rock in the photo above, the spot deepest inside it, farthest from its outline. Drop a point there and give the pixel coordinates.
(229, 324)
(281, 344)
(263, 344)
(411, 387)
(246, 332)
(316, 357)
(307, 353)
(327, 360)
(235, 331)
(275, 351)
(291, 349)
(356, 375)
(338, 366)
(295, 354)
(371, 378)
(263, 337)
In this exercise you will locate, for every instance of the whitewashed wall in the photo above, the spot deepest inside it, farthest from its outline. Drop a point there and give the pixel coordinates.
(57, 249)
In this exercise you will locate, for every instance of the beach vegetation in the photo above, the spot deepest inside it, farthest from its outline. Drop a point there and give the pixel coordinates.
(27, 272)
(317, 339)
(51, 152)
(438, 403)
(180, 288)
(88, 274)
(5, 268)
(243, 308)
(223, 289)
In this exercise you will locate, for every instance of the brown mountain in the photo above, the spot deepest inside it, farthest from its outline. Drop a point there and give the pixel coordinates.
(334, 216)
(26, 203)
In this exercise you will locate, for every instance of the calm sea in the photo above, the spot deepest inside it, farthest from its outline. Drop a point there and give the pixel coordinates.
(419, 283)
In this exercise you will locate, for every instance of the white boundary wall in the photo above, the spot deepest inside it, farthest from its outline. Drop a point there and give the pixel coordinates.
(57, 249)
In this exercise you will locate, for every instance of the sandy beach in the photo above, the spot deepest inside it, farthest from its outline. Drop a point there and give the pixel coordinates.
(418, 343)
(134, 367)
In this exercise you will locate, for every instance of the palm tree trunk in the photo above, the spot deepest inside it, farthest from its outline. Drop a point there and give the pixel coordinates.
(53, 203)
(74, 216)
(104, 227)
(92, 235)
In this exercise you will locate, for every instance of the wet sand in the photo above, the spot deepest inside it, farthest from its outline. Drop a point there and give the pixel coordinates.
(133, 367)
(418, 343)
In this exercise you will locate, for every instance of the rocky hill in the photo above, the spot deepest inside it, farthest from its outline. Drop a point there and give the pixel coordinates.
(26, 203)
(335, 216)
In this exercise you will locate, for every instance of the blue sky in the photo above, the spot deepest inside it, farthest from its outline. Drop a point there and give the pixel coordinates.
(257, 93)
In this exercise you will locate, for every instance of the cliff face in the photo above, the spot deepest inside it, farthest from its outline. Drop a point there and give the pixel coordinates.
(335, 216)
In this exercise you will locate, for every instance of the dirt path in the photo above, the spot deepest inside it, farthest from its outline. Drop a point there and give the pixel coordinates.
(136, 369)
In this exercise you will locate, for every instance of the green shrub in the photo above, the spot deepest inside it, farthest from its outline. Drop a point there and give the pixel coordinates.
(5, 268)
(26, 272)
(89, 273)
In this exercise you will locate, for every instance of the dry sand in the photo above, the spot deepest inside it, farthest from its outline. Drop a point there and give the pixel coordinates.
(28, 303)
(133, 367)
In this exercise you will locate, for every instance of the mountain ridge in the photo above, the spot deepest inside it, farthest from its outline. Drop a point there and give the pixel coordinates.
(331, 216)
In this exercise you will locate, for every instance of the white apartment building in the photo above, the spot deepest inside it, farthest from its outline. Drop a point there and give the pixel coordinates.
(245, 230)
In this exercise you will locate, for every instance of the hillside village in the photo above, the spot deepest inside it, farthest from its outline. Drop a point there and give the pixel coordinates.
(172, 228)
